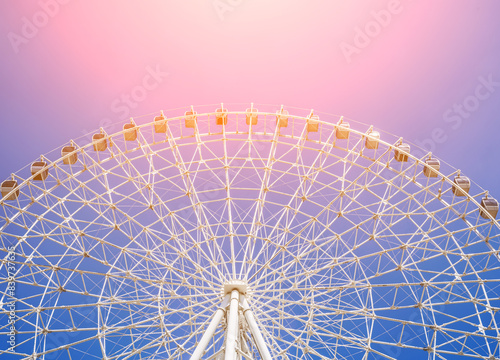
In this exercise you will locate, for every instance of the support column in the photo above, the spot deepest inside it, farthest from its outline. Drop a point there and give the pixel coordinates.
(202, 345)
(232, 326)
(254, 330)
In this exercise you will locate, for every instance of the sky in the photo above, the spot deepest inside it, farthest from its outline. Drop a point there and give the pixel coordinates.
(422, 70)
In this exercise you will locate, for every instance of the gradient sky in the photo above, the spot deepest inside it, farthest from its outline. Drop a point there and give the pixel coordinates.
(65, 74)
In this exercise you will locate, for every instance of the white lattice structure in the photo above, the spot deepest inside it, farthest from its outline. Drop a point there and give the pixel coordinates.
(244, 235)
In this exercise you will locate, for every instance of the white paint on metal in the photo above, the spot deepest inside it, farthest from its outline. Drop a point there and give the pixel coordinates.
(232, 326)
(254, 330)
(209, 333)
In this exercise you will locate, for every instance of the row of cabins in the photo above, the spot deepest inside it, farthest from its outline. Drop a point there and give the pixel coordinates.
(461, 186)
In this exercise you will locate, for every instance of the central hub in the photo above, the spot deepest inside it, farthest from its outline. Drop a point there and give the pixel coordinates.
(239, 285)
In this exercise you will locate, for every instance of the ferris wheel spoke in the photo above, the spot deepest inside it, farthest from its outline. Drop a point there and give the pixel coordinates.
(190, 190)
(263, 189)
(443, 329)
(309, 174)
(321, 211)
(228, 204)
(300, 344)
(152, 173)
(116, 329)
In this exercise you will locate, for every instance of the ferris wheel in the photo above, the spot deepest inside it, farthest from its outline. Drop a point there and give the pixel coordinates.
(208, 233)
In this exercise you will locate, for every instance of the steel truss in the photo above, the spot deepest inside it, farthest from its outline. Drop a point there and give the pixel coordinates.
(349, 245)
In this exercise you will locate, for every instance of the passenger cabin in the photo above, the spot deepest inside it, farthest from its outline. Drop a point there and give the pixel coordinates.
(160, 124)
(282, 118)
(432, 167)
(99, 141)
(252, 116)
(372, 140)
(313, 123)
(488, 206)
(461, 186)
(72, 155)
(401, 152)
(190, 118)
(343, 130)
(221, 116)
(40, 170)
(130, 132)
(7, 187)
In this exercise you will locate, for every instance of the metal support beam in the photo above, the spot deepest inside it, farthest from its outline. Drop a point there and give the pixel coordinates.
(202, 345)
(235, 346)
(254, 330)
(232, 326)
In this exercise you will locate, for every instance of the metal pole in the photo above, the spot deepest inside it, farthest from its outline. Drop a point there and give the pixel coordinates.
(232, 326)
(205, 339)
(254, 330)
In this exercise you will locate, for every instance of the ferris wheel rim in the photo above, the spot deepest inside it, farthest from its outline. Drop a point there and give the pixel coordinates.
(119, 133)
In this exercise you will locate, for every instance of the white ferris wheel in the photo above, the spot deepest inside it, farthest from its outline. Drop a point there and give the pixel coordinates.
(219, 234)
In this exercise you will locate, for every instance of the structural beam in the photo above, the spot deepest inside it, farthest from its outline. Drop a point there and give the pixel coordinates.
(254, 330)
(209, 333)
(232, 326)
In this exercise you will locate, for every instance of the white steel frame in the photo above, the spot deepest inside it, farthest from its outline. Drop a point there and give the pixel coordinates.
(347, 252)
